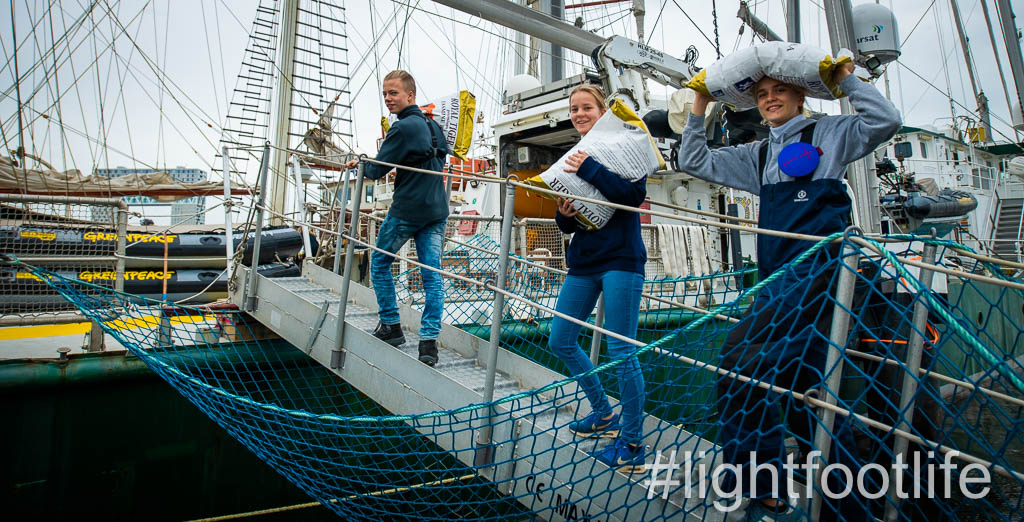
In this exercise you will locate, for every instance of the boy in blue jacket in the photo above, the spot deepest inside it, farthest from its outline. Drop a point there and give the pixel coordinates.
(419, 211)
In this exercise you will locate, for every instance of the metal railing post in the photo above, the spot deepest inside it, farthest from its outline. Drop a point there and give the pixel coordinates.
(371, 232)
(95, 340)
(484, 455)
(915, 349)
(229, 230)
(341, 216)
(250, 289)
(595, 341)
(300, 209)
(848, 261)
(122, 231)
(448, 185)
(338, 354)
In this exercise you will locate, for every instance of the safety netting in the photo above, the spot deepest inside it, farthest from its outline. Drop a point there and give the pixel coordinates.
(753, 389)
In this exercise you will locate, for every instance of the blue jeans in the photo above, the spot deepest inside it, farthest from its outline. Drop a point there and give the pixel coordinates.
(393, 234)
(622, 308)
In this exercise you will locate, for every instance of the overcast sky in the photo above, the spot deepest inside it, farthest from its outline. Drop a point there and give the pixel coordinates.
(160, 94)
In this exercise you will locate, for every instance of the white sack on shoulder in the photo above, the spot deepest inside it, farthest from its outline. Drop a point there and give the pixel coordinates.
(619, 141)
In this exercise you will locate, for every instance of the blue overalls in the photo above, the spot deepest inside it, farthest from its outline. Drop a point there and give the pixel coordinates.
(782, 340)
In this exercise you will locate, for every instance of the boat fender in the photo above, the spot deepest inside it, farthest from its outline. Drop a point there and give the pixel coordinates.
(947, 203)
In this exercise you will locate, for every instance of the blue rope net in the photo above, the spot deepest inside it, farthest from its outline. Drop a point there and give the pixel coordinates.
(364, 462)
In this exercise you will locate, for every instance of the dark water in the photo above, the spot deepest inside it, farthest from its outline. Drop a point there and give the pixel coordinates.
(129, 450)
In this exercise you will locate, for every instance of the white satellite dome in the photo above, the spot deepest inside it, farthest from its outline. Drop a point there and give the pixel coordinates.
(520, 83)
(876, 32)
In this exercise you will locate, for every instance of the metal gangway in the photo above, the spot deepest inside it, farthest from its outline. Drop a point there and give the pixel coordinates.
(305, 312)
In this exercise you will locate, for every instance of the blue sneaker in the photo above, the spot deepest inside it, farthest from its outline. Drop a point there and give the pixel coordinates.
(623, 457)
(756, 510)
(594, 426)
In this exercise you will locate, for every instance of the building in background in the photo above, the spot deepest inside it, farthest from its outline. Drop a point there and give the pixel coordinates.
(187, 211)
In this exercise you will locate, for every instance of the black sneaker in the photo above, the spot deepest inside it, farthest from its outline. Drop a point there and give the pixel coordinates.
(390, 333)
(428, 351)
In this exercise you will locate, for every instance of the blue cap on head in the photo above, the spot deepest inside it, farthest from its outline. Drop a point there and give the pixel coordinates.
(799, 159)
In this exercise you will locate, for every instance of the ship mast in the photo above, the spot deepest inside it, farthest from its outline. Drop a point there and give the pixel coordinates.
(282, 111)
(838, 15)
(979, 94)
(1012, 49)
(793, 20)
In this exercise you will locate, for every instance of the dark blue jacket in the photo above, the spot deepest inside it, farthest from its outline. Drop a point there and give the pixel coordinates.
(616, 246)
(414, 141)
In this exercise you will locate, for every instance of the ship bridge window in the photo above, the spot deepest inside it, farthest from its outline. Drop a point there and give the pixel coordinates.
(981, 179)
(924, 149)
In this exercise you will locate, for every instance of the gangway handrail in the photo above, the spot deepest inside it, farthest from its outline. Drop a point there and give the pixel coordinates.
(720, 224)
(654, 346)
(805, 237)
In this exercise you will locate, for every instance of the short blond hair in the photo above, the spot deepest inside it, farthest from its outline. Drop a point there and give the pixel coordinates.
(407, 80)
(592, 90)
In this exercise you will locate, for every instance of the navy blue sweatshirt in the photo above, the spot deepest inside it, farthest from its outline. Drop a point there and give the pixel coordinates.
(414, 142)
(616, 246)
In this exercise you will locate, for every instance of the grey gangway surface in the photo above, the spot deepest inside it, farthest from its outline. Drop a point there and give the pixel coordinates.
(394, 378)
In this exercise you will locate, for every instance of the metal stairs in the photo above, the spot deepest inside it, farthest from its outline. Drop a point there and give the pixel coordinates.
(1008, 229)
(530, 438)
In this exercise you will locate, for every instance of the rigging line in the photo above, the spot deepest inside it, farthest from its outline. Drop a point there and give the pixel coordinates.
(699, 30)
(3, 132)
(619, 19)
(930, 84)
(161, 78)
(99, 99)
(714, 21)
(967, 60)
(945, 66)
(21, 138)
(209, 58)
(608, 15)
(223, 69)
(78, 94)
(961, 104)
(493, 87)
(376, 59)
(160, 88)
(38, 48)
(401, 37)
(7, 93)
(91, 139)
(65, 38)
(967, 21)
(124, 105)
(76, 77)
(919, 20)
(454, 48)
(656, 22)
(32, 30)
(999, 63)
